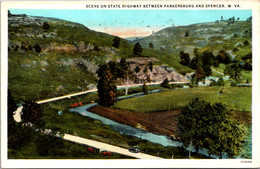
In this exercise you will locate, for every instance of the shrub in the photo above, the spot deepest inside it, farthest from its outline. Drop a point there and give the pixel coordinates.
(96, 48)
(235, 49)
(138, 49)
(46, 26)
(233, 84)
(145, 88)
(151, 45)
(187, 34)
(37, 48)
(246, 42)
(223, 90)
(165, 83)
(235, 35)
(116, 42)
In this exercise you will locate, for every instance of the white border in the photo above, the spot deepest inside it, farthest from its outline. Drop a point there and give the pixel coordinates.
(227, 163)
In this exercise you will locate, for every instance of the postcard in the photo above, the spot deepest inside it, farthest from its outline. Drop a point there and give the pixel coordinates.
(136, 84)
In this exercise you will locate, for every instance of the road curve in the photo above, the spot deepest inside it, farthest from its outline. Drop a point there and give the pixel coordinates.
(218, 72)
(107, 147)
(95, 90)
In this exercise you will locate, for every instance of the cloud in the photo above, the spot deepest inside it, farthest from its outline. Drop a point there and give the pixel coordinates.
(128, 32)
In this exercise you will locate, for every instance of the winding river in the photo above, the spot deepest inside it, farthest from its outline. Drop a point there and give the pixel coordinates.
(129, 130)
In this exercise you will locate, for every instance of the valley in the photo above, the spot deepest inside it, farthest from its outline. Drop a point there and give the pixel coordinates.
(54, 58)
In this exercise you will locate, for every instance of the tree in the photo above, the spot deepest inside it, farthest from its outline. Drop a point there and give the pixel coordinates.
(207, 62)
(221, 82)
(138, 49)
(114, 68)
(211, 126)
(11, 108)
(9, 13)
(185, 58)
(106, 86)
(247, 61)
(96, 48)
(199, 74)
(195, 62)
(45, 26)
(233, 70)
(187, 34)
(145, 70)
(195, 51)
(32, 113)
(249, 19)
(137, 69)
(226, 135)
(37, 48)
(165, 83)
(151, 45)
(116, 42)
(221, 18)
(150, 66)
(145, 88)
(48, 145)
(126, 73)
(223, 57)
(246, 42)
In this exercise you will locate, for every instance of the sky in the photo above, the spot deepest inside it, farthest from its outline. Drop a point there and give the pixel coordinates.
(135, 23)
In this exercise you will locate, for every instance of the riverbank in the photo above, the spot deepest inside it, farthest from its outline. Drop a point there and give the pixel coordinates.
(164, 123)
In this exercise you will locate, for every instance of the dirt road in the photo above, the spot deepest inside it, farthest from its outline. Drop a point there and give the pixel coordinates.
(107, 147)
(95, 90)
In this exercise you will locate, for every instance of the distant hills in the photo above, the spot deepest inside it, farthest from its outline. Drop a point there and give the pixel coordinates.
(50, 57)
(212, 36)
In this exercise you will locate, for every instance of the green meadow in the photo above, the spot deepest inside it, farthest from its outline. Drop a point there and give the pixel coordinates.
(237, 98)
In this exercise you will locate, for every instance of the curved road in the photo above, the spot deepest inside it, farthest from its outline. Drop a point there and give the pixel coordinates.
(107, 147)
(218, 72)
(99, 145)
(95, 90)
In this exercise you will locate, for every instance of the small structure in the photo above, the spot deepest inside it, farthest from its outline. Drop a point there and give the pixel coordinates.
(60, 112)
(205, 83)
(185, 87)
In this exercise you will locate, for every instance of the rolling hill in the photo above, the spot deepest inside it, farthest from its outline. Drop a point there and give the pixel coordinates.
(49, 57)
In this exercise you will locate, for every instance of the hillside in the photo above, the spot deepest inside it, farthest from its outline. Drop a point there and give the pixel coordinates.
(213, 36)
(60, 57)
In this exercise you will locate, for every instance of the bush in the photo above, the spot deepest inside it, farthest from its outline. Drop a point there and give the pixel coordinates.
(116, 42)
(138, 49)
(235, 49)
(46, 26)
(223, 90)
(187, 34)
(235, 35)
(233, 84)
(96, 48)
(165, 83)
(37, 48)
(191, 85)
(145, 88)
(246, 42)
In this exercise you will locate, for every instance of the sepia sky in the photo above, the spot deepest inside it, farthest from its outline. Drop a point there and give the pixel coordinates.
(135, 23)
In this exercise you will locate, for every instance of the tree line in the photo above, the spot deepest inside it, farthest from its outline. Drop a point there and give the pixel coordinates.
(202, 63)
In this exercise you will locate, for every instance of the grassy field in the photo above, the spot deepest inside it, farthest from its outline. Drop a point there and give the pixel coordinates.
(76, 124)
(236, 98)
(245, 74)
(65, 150)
